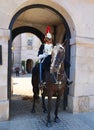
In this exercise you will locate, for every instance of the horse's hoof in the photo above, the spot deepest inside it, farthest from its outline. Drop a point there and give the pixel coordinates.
(33, 111)
(57, 120)
(49, 124)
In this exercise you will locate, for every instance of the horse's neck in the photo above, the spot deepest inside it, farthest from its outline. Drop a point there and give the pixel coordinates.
(61, 76)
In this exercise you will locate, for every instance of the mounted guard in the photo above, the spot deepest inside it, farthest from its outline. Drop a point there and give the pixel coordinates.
(44, 54)
(50, 89)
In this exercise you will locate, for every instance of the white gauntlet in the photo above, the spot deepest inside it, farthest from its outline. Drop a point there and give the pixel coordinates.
(42, 56)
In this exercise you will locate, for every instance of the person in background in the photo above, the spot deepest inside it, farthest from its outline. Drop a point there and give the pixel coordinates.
(17, 71)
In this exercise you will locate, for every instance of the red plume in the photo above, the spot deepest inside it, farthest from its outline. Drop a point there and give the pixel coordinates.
(48, 29)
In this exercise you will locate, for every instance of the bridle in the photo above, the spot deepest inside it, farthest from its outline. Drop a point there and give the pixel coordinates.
(58, 56)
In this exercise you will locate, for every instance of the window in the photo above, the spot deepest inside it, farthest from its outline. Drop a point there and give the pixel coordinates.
(29, 41)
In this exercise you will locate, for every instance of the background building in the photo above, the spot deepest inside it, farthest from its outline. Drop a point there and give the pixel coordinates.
(24, 51)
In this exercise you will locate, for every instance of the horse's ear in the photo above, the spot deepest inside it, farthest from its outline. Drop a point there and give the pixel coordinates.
(65, 42)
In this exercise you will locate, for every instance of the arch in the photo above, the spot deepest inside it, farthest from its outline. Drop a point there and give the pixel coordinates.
(24, 29)
(14, 32)
(41, 6)
(20, 29)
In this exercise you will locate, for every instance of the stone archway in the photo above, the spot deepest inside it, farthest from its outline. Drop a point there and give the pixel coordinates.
(14, 32)
(68, 35)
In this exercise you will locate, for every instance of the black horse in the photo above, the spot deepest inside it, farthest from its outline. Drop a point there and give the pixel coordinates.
(56, 69)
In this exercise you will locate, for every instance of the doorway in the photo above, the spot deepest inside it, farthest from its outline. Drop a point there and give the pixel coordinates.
(39, 31)
(29, 65)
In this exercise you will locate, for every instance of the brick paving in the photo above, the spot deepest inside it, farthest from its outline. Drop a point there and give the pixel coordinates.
(23, 119)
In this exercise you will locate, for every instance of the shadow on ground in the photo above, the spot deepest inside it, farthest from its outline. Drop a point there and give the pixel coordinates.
(21, 107)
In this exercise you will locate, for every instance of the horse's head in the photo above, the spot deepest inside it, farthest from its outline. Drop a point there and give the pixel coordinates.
(58, 56)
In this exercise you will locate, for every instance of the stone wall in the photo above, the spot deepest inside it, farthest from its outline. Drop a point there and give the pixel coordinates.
(81, 96)
(4, 102)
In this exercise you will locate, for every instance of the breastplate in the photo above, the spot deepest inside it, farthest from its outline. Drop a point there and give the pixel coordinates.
(48, 49)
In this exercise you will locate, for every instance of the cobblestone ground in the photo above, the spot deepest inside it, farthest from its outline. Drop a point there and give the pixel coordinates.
(21, 114)
(23, 119)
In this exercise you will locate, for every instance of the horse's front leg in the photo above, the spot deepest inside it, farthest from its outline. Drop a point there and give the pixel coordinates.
(49, 112)
(43, 102)
(57, 120)
(33, 106)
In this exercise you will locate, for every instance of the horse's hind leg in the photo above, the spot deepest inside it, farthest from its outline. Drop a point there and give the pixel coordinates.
(56, 109)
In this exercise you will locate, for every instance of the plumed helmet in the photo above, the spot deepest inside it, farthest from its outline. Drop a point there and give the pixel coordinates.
(48, 33)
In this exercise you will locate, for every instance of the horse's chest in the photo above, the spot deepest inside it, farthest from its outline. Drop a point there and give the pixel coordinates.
(57, 87)
(61, 78)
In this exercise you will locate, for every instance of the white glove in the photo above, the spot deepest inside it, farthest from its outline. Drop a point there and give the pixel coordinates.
(42, 56)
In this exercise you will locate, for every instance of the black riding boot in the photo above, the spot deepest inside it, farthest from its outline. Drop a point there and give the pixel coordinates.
(69, 82)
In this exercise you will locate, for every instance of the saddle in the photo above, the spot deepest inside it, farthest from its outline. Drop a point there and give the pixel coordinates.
(46, 75)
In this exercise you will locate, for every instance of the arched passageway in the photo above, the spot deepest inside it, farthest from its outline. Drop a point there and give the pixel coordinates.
(27, 29)
(39, 33)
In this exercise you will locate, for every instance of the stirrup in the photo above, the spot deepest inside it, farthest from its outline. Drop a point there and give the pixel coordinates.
(41, 84)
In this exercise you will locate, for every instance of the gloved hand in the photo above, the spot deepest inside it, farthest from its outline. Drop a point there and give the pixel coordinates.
(42, 56)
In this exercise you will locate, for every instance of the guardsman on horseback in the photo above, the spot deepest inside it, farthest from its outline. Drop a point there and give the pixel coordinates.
(44, 55)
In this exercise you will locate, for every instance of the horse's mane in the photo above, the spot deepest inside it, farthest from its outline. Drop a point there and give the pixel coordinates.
(58, 56)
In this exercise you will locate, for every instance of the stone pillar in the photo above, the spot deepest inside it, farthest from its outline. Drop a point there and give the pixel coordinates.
(4, 101)
(81, 92)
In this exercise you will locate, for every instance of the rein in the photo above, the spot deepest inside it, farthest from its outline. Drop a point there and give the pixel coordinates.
(59, 76)
(57, 66)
